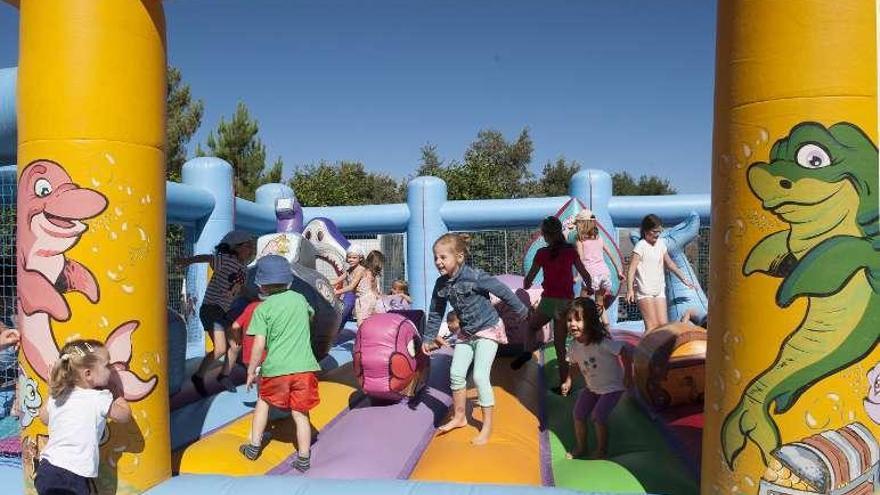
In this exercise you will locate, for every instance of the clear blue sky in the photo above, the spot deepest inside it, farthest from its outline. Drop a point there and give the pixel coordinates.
(613, 84)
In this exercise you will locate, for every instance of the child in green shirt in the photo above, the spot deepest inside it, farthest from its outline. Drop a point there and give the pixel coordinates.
(280, 325)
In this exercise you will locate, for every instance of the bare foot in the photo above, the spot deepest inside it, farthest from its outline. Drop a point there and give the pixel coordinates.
(599, 454)
(574, 454)
(481, 439)
(453, 424)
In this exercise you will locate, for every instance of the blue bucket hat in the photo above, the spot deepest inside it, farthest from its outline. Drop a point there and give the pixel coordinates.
(273, 270)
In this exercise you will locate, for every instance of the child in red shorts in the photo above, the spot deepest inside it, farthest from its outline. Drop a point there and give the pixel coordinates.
(280, 325)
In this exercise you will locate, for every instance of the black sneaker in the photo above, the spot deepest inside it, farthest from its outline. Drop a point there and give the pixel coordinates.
(226, 382)
(199, 384)
(252, 452)
(301, 464)
(521, 360)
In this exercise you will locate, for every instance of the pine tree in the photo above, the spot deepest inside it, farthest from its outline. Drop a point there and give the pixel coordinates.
(184, 116)
(236, 142)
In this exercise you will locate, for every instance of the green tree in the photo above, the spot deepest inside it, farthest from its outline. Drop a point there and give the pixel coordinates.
(431, 164)
(343, 183)
(273, 175)
(556, 176)
(623, 184)
(184, 116)
(236, 142)
(492, 167)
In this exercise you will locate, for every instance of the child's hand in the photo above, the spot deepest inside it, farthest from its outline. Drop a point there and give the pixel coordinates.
(8, 337)
(251, 379)
(689, 285)
(630, 296)
(114, 385)
(565, 388)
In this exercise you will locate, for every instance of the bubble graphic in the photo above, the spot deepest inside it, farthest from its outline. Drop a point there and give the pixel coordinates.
(824, 411)
(763, 136)
(128, 289)
(734, 233)
(735, 376)
(101, 172)
(129, 464)
(746, 150)
(117, 211)
(149, 361)
(103, 322)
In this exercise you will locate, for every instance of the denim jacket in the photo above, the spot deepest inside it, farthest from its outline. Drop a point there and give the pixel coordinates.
(468, 293)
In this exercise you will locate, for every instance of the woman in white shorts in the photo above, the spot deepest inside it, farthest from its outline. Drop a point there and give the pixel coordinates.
(646, 279)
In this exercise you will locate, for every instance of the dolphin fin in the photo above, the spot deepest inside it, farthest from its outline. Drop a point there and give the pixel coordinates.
(770, 255)
(78, 278)
(119, 347)
(843, 255)
(38, 295)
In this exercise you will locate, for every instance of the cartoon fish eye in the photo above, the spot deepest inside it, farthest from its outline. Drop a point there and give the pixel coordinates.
(42, 188)
(411, 348)
(308, 235)
(812, 156)
(320, 235)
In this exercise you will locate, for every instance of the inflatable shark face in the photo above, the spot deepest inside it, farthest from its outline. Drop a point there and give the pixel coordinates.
(329, 243)
(308, 282)
(679, 297)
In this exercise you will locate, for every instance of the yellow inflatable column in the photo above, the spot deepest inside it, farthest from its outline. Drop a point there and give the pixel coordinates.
(793, 392)
(91, 216)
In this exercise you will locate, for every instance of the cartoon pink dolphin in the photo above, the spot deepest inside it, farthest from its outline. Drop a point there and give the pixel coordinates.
(51, 211)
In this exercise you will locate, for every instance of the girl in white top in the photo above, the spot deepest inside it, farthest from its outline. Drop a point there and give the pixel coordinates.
(84, 391)
(646, 279)
(606, 365)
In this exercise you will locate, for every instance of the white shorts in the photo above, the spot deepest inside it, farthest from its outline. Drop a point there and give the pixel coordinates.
(653, 294)
(601, 281)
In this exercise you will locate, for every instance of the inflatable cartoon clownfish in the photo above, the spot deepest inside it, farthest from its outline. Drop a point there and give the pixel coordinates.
(388, 360)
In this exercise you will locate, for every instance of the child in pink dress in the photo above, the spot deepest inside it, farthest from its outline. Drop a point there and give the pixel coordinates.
(592, 249)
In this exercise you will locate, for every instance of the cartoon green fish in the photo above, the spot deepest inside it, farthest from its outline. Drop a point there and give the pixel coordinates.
(823, 184)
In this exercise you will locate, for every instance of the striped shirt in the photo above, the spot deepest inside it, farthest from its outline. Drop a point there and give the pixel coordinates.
(227, 281)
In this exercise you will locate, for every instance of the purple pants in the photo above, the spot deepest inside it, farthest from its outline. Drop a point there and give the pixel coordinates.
(598, 404)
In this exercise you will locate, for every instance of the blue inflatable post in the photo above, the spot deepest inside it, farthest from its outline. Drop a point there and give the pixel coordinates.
(215, 176)
(593, 188)
(8, 126)
(425, 197)
(268, 194)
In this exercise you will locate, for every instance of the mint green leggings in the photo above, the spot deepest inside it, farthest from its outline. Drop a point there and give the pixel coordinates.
(482, 353)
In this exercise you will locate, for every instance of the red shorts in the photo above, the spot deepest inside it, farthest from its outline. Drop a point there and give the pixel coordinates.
(298, 391)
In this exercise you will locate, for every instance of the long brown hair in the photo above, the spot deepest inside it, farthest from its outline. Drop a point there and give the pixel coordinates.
(594, 329)
(551, 227)
(374, 262)
(76, 355)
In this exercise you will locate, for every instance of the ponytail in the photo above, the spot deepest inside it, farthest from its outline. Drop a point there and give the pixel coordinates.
(75, 356)
(458, 242)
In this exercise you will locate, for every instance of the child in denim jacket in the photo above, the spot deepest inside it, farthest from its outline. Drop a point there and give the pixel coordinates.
(481, 329)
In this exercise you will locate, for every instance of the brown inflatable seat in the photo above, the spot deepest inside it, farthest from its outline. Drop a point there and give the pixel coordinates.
(670, 365)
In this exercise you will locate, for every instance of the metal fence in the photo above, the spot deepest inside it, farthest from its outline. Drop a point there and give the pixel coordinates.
(502, 251)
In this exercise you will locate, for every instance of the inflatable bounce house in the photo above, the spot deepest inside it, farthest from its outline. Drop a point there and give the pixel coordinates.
(780, 396)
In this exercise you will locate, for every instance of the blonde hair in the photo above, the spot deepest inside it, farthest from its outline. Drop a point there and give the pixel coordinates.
(76, 355)
(402, 285)
(458, 242)
(588, 228)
